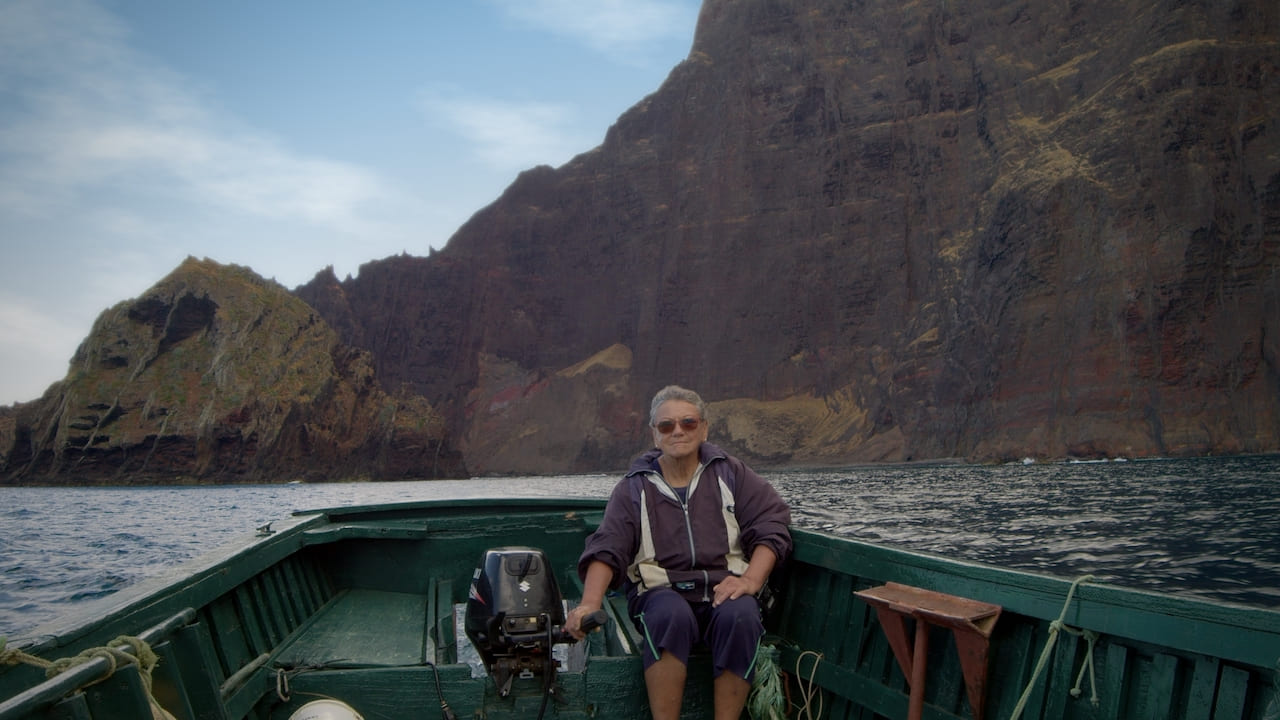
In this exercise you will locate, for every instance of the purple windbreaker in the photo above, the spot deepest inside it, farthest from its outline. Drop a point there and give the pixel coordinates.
(650, 538)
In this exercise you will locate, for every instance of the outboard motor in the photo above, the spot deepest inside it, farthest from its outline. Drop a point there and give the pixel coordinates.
(515, 614)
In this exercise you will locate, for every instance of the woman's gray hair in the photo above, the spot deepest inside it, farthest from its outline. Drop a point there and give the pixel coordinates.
(675, 392)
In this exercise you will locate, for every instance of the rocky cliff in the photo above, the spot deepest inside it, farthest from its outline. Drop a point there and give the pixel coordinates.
(866, 230)
(882, 231)
(216, 375)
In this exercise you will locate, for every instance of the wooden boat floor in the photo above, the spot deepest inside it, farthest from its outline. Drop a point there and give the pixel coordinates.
(341, 633)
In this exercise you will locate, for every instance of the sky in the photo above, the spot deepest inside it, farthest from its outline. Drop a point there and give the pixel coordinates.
(286, 136)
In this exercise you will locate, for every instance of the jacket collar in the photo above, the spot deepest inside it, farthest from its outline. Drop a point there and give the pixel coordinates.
(648, 462)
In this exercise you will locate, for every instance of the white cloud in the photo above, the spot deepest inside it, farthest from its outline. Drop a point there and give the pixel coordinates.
(37, 349)
(508, 135)
(86, 114)
(621, 29)
(42, 331)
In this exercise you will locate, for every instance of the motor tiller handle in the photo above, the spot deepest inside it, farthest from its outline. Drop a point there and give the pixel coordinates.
(589, 624)
(594, 620)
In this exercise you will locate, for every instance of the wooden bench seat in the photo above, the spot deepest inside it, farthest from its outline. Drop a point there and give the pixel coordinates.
(970, 621)
(341, 633)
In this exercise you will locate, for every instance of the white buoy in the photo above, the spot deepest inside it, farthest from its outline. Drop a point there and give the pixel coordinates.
(326, 709)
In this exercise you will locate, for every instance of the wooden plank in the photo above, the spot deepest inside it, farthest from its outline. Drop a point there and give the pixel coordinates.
(879, 662)
(1204, 680)
(945, 686)
(296, 592)
(291, 590)
(1115, 675)
(841, 612)
(1233, 693)
(304, 577)
(120, 697)
(273, 608)
(614, 687)
(361, 628)
(265, 612)
(227, 635)
(283, 591)
(823, 622)
(316, 580)
(1039, 698)
(446, 634)
(838, 708)
(430, 647)
(197, 663)
(246, 609)
(1161, 686)
(1061, 674)
(793, 608)
(75, 707)
(617, 605)
(313, 590)
(1015, 649)
(167, 685)
(867, 630)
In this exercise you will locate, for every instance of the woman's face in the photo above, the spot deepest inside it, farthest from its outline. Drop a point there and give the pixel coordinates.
(681, 441)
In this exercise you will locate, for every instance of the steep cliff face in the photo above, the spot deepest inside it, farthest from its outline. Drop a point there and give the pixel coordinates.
(217, 375)
(891, 231)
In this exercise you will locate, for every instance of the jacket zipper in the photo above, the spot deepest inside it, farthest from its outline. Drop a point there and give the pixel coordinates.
(688, 528)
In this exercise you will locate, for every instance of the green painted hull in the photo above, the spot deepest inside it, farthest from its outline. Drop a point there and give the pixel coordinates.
(359, 604)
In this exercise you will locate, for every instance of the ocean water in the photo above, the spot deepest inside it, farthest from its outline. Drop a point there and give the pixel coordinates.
(1207, 527)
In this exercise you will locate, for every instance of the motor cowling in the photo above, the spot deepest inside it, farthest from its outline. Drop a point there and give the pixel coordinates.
(515, 613)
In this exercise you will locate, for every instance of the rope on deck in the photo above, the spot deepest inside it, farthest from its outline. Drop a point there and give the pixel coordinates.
(808, 687)
(768, 698)
(143, 656)
(1055, 627)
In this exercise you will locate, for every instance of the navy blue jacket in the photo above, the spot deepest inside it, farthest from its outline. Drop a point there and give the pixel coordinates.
(651, 538)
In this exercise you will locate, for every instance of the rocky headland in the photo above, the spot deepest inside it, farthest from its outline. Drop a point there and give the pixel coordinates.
(216, 375)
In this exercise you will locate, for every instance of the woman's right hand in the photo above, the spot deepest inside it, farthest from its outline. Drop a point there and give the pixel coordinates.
(573, 621)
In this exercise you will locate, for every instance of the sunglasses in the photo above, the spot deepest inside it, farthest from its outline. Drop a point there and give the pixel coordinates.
(689, 424)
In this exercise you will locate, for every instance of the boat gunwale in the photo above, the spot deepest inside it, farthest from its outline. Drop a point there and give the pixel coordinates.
(346, 512)
(1115, 610)
(1125, 612)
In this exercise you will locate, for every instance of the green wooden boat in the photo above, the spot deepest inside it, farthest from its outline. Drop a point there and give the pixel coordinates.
(365, 605)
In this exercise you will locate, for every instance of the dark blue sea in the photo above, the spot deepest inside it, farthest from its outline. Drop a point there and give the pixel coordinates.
(1206, 527)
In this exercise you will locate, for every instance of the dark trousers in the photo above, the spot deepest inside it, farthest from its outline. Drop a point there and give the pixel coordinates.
(732, 630)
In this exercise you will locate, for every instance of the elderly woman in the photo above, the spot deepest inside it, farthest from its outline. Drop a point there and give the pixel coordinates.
(692, 534)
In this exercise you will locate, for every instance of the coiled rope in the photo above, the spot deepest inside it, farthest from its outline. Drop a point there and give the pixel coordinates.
(809, 689)
(143, 656)
(1055, 627)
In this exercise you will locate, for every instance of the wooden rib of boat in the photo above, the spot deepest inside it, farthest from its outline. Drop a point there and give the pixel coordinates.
(363, 605)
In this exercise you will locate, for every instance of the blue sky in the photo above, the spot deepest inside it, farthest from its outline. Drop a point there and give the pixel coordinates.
(285, 135)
